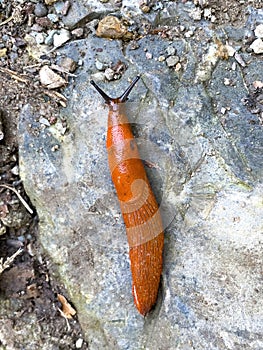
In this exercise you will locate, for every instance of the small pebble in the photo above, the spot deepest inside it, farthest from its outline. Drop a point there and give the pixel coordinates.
(111, 27)
(257, 46)
(44, 121)
(148, 55)
(31, 18)
(15, 170)
(178, 67)
(79, 342)
(189, 33)
(36, 28)
(207, 12)
(65, 8)
(196, 14)
(230, 50)
(44, 22)
(259, 31)
(161, 58)
(50, 2)
(227, 81)
(61, 38)
(258, 84)
(171, 61)
(78, 32)
(109, 74)
(170, 50)
(213, 19)
(53, 17)
(99, 65)
(40, 38)
(40, 10)
(55, 148)
(145, 8)
(3, 52)
(68, 64)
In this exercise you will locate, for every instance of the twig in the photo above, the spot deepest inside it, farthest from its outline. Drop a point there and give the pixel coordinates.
(58, 96)
(7, 20)
(14, 75)
(5, 265)
(19, 197)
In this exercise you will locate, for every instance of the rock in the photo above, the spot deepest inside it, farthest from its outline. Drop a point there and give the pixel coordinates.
(78, 32)
(257, 46)
(61, 37)
(109, 74)
(171, 50)
(171, 61)
(40, 10)
(259, 31)
(3, 52)
(196, 14)
(50, 79)
(111, 27)
(204, 146)
(65, 8)
(68, 64)
(53, 17)
(50, 2)
(101, 66)
(44, 22)
(40, 38)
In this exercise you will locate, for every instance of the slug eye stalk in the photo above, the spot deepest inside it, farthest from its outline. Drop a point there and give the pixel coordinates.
(122, 98)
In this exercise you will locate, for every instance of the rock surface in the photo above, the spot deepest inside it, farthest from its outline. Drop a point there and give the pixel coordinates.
(206, 176)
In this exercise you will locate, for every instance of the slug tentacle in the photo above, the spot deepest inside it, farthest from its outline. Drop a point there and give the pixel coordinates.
(137, 202)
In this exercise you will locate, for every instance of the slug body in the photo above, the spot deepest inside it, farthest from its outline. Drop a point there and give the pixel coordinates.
(138, 204)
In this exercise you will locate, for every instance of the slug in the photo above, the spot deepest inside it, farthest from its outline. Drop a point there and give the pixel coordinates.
(138, 205)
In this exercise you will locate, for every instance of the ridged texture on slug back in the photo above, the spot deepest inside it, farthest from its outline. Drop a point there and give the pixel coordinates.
(138, 205)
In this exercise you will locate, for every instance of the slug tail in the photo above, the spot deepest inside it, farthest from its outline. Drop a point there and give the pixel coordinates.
(146, 268)
(146, 239)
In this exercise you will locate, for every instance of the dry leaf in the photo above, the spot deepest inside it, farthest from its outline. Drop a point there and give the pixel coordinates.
(67, 309)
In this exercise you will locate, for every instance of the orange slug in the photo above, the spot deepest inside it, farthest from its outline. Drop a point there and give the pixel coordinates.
(137, 202)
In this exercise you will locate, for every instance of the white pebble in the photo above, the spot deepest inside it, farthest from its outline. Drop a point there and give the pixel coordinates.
(61, 38)
(148, 55)
(79, 343)
(259, 31)
(109, 74)
(171, 61)
(257, 46)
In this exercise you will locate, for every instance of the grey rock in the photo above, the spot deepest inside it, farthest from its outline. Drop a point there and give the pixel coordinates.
(53, 17)
(171, 61)
(84, 12)
(207, 179)
(40, 10)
